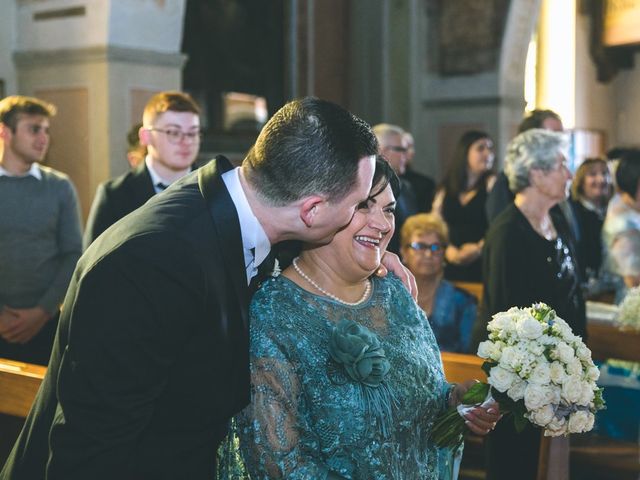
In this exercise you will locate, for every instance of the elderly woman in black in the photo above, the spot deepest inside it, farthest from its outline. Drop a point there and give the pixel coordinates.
(528, 257)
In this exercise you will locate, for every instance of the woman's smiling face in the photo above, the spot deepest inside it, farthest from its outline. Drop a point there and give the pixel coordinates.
(360, 245)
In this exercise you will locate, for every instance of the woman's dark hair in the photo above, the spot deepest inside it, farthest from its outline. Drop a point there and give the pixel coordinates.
(383, 176)
(628, 171)
(455, 179)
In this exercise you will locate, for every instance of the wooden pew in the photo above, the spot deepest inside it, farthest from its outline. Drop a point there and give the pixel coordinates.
(19, 383)
(475, 289)
(553, 463)
(606, 341)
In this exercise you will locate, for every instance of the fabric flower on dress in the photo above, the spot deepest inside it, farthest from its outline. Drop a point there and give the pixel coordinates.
(359, 351)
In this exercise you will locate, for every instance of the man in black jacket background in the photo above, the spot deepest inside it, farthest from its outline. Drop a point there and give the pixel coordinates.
(171, 133)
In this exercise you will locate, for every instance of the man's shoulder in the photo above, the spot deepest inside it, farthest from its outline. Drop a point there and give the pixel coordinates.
(53, 175)
(506, 225)
(417, 177)
(127, 180)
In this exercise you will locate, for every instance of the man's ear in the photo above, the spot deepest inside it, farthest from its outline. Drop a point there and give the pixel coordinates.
(5, 132)
(310, 209)
(144, 135)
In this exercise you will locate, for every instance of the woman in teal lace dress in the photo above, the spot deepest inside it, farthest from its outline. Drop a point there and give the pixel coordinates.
(347, 379)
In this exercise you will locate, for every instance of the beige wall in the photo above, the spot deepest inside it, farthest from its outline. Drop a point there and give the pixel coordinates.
(70, 134)
(7, 45)
(116, 83)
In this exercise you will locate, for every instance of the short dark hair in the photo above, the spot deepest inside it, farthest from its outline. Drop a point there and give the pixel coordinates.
(384, 175)
(536, 118)
(14, 105)
(168, 101)
(628, 171)
(455, 178)
(310, 146)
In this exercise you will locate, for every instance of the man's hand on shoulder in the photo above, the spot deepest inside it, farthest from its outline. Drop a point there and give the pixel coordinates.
(391, 263)
(24, 323)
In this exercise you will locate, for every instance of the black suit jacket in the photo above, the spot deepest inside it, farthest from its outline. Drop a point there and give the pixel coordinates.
(117, 198)
(151, 355)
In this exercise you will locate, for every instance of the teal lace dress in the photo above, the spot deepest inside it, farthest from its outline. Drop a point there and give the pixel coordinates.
(318, 410)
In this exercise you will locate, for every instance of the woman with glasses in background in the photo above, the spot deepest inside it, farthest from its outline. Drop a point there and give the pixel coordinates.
(451, 312)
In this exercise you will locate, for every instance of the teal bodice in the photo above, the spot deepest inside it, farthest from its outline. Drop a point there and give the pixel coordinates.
(309, 418)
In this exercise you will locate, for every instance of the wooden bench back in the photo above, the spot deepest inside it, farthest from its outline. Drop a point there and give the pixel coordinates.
(608, 341)
(475, 289)
(553, 462)
(19, 383)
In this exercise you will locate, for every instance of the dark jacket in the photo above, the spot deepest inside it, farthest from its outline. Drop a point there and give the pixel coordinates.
(117, 198)
(521, 268)
(151, 355)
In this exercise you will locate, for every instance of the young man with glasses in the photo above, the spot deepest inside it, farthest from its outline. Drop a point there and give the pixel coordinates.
(171, 133)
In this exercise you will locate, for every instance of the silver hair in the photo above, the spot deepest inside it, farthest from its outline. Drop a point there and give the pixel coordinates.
(535, 148)
(383, 131)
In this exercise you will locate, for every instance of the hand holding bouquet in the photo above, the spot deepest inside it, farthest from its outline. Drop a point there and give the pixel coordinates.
(538, 371)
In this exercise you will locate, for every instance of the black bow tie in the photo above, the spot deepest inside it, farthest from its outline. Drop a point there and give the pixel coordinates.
(161, 186)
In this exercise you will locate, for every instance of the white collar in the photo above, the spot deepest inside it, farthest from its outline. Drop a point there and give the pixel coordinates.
(155, 177)
(253, 235)
(34, 171)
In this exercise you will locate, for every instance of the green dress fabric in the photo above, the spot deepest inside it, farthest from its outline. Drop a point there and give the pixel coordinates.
(313, 417)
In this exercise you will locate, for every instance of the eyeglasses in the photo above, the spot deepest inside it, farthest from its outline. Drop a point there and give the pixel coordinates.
(434, 248)
(175, 135)
(398, 149)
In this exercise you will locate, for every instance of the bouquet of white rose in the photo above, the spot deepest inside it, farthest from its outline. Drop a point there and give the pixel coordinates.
(538, 371)
(629, 310)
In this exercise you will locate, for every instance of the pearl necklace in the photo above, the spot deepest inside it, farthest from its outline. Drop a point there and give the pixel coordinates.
(330, 295)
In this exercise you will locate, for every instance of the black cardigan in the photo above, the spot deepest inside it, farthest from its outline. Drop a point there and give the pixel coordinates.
(520, 268)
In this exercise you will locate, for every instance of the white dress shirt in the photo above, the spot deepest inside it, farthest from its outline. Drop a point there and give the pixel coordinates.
(254, 238)
(34, 171)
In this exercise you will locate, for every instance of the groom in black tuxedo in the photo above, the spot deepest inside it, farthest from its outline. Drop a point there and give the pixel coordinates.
(151, 355)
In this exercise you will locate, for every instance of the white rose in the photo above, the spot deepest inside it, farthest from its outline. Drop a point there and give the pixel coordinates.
(583, 353)
(541, 374)
(572, 389)
(510, 358)
(485, 349)
(529, 328)
(564, 352)
(543, 415)
(516, 392)
(587, 394)
(557, 372)
(536, 396)
(580, 421)
(574, 367)
(547, 340)
(556, 427)
(593, 373)
(500, 322)
(535, 348)
(501, 379)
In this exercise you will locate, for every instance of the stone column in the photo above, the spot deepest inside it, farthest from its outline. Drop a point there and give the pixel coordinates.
(99, 61)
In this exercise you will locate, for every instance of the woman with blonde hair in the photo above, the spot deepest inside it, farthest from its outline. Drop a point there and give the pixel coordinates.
(590, 194)
(451, 312)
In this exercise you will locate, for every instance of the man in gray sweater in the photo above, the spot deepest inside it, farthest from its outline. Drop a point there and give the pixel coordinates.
(40, 237)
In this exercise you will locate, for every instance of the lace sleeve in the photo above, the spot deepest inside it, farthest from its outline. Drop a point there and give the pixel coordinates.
(275, 438)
